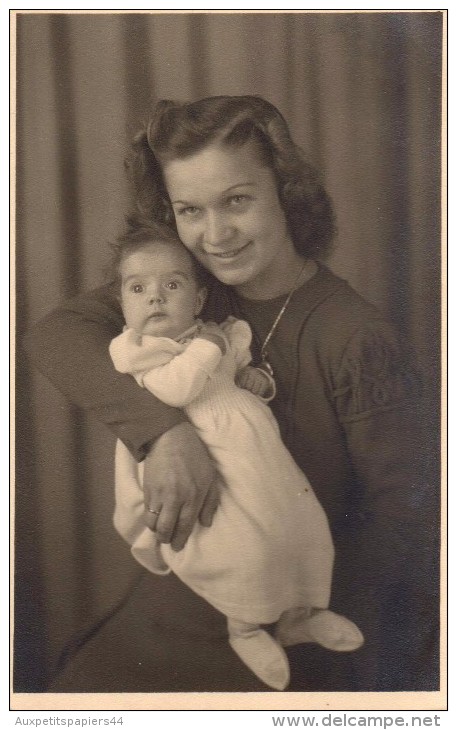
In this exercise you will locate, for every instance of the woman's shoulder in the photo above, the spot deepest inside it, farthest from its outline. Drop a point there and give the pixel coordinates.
(348, 304)
(359, 346)
(346, 328)
(341, 312)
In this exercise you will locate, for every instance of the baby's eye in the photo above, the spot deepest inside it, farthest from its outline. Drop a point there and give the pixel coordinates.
(172, 285)
(137, 288)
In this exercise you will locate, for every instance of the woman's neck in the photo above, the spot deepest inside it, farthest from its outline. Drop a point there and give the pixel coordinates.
(289, 275)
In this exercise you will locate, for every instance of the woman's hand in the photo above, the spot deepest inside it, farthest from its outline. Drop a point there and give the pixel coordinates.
(179, 483)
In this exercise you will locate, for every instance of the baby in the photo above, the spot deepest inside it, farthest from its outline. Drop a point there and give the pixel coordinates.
(268, 555)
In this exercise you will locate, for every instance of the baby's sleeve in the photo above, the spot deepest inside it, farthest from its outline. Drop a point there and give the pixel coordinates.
(174, 373)
(136, 354)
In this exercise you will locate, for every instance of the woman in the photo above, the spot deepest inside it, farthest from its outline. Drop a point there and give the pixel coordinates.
(225, 172)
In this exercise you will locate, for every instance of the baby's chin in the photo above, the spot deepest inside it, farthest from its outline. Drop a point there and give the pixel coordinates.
(162, 327)
(158, 328)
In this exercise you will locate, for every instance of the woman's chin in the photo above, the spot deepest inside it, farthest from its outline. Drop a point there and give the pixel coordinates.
(230, 277)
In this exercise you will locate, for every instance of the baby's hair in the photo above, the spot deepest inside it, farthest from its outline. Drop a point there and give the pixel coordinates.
(140, 234)
(177, 131)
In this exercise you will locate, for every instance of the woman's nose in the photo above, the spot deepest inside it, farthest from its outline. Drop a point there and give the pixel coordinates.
(218, 230)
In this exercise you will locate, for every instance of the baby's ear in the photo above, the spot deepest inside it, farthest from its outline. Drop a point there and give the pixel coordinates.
(117, 294)
(200, 300)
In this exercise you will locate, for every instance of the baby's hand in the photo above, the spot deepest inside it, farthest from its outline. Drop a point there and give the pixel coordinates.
(254, 380)
(212, 333)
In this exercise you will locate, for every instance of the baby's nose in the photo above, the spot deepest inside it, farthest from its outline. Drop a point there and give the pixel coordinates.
(155, 295)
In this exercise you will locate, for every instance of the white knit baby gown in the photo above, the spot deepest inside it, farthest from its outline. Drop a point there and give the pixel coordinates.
(269, 547)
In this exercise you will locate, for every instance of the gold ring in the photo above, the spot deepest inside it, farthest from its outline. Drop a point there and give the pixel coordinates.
(154, 511)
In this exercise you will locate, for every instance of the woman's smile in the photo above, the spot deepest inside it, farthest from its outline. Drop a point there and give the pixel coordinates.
(232, 254)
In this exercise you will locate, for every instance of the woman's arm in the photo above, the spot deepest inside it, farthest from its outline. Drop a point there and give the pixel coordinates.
(395, 535)
(70, 347)
(379, 404)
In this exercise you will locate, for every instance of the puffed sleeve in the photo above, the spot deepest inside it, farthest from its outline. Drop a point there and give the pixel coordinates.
(239, 335)
(70, 347)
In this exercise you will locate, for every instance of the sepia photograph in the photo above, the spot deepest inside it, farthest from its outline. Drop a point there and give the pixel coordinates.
(229, 254)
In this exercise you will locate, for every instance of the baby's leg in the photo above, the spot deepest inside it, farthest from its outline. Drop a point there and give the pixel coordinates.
(260, 652)
(321, 626)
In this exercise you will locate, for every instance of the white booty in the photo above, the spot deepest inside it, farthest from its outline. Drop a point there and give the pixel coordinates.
(332, 631)
(291, 627)
(261, 653)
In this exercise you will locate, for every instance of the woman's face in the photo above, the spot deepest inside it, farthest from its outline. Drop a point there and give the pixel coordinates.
(229, 216)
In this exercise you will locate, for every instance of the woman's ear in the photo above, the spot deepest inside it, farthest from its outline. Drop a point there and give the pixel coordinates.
(168, 213)
(200, 300)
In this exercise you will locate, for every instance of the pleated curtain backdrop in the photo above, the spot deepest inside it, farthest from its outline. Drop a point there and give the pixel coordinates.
(362, 94)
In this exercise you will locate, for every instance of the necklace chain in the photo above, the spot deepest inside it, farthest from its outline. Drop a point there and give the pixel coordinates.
(263, 349)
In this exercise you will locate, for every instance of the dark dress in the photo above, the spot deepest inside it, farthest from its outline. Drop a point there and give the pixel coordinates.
(349, 410)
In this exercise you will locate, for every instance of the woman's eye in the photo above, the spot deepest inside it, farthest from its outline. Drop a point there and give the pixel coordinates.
(137, 288)
(237, 199)
(172, 285)
(189, 211)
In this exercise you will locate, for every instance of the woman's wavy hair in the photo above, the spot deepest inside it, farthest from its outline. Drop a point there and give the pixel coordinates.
(177, 131)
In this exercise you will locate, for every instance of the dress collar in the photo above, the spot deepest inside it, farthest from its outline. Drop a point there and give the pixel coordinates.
(190, 333)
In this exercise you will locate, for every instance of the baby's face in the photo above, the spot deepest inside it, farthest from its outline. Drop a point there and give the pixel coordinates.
(159, 292)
